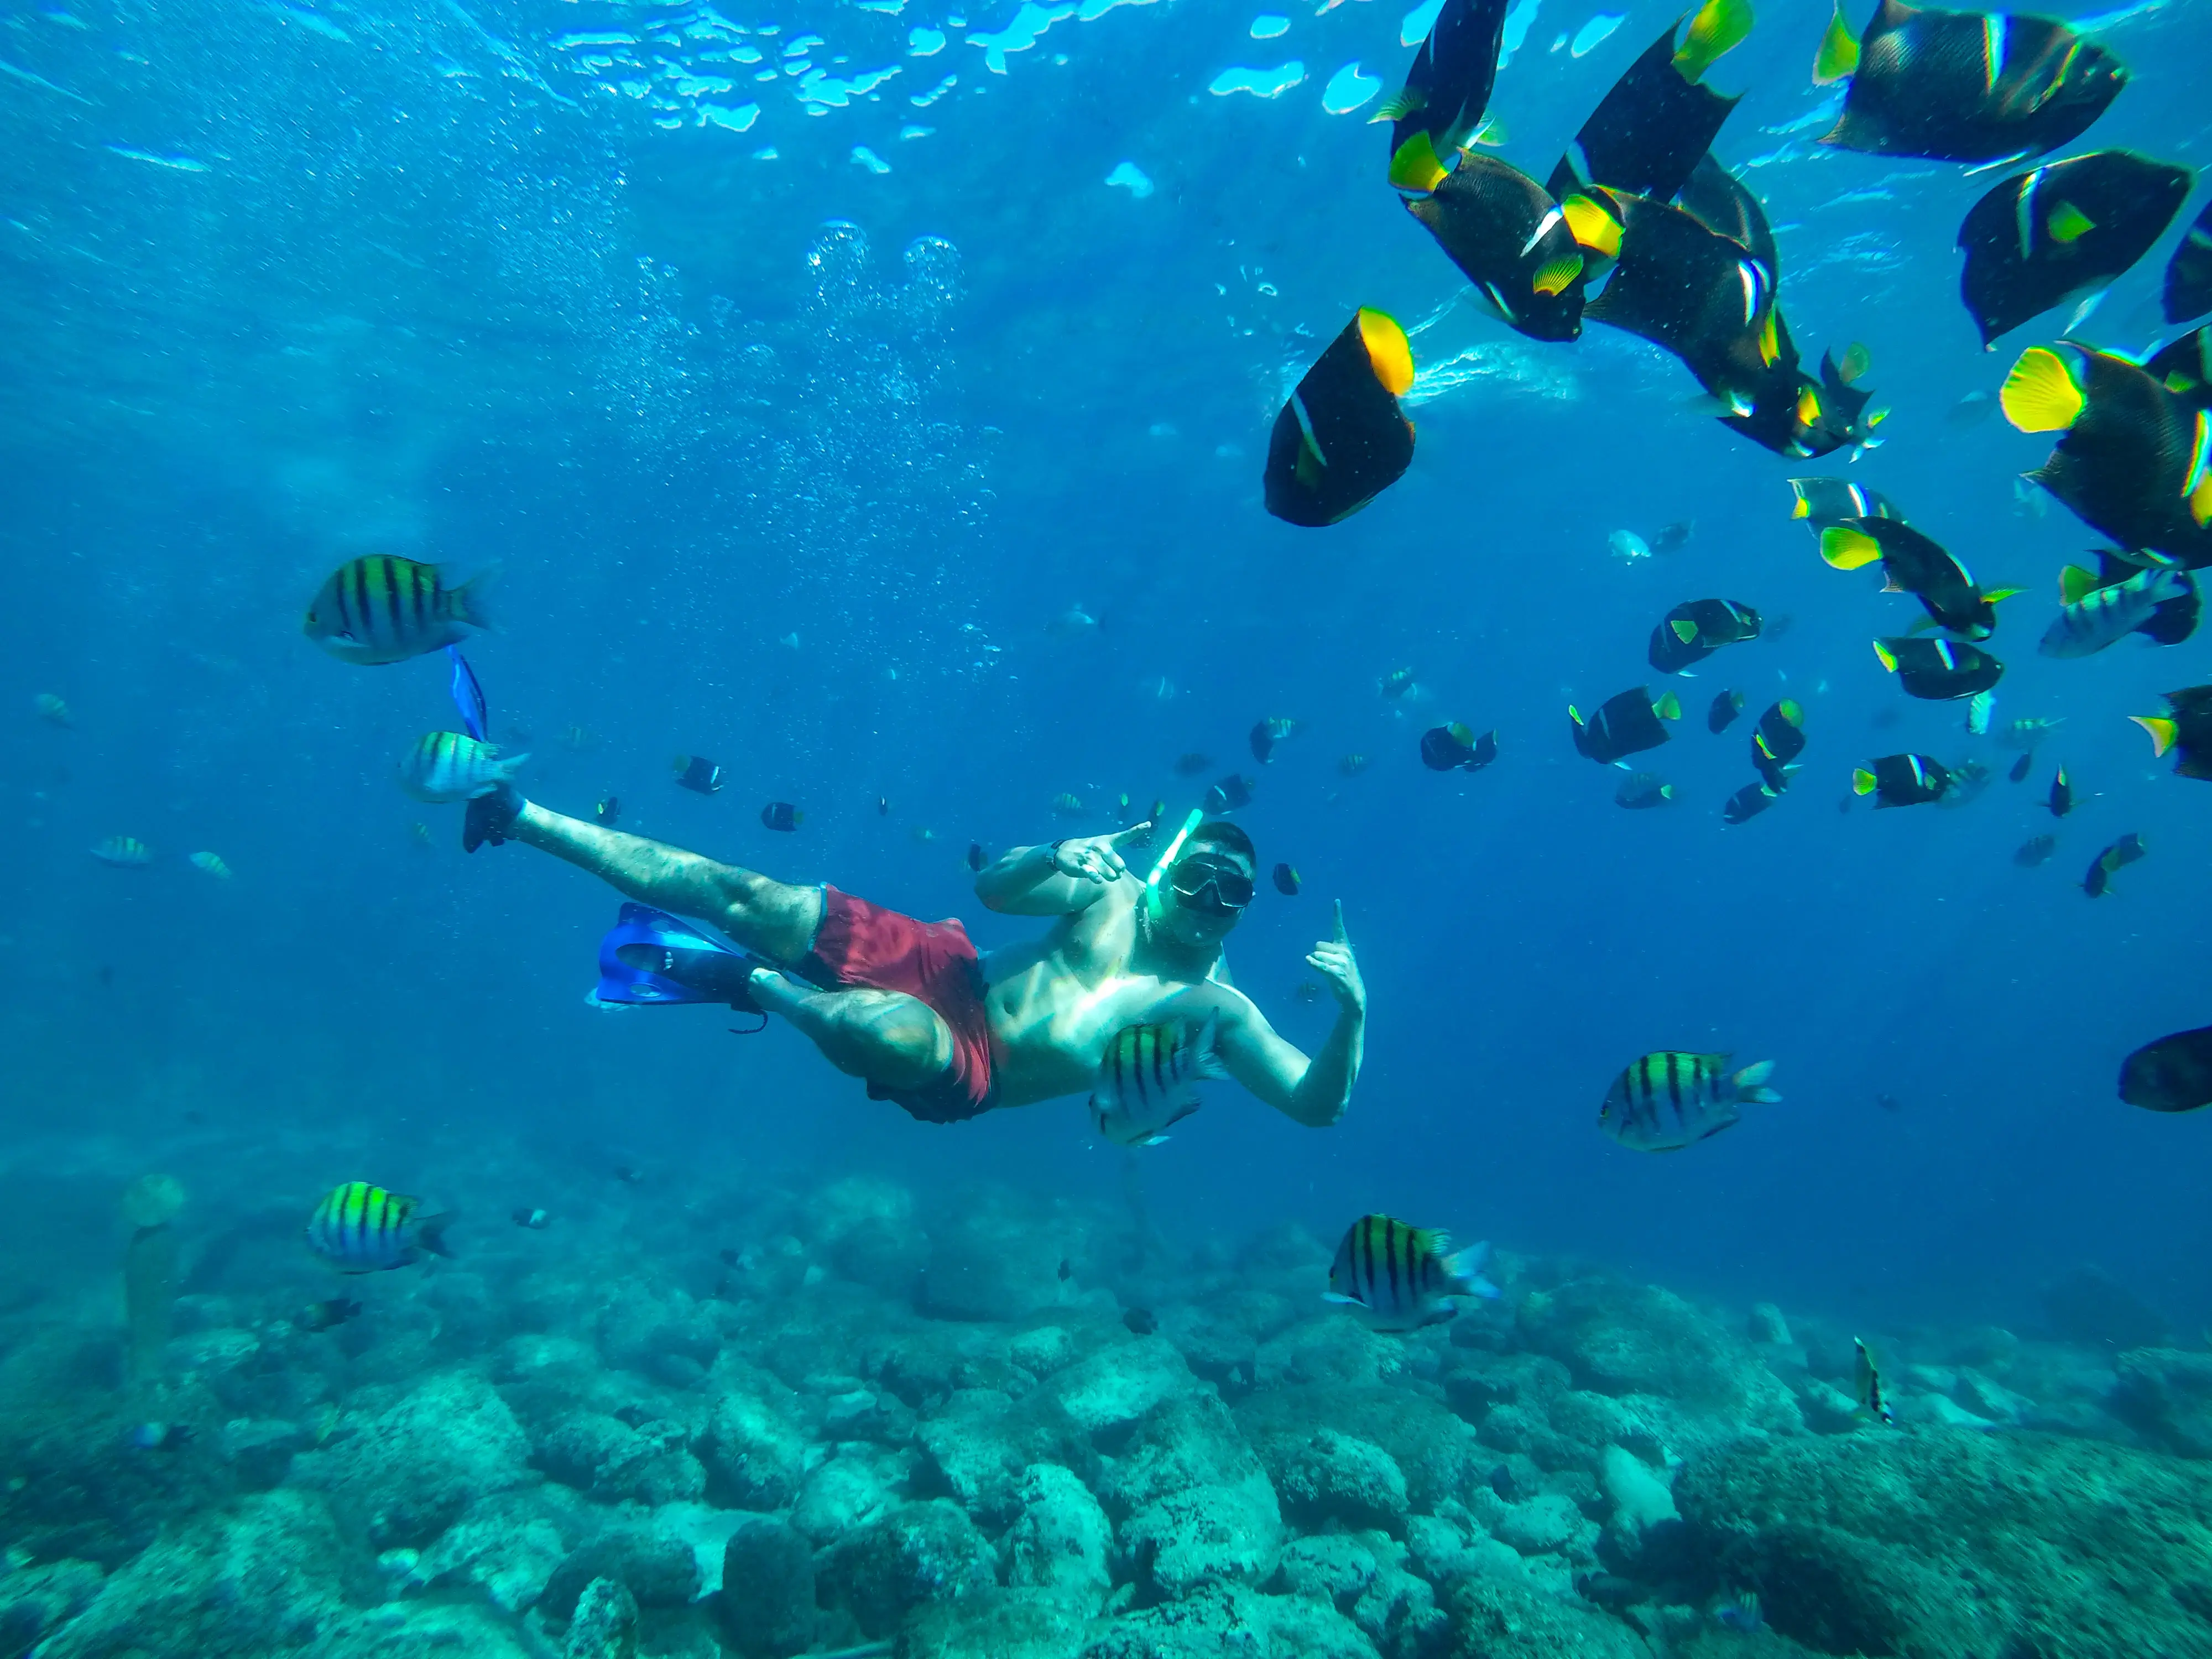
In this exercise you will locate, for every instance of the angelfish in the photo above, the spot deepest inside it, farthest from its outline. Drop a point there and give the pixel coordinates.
(1400, 1277)
(1148, 1079)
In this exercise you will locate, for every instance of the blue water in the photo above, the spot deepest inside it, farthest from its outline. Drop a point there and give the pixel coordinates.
(283, 285)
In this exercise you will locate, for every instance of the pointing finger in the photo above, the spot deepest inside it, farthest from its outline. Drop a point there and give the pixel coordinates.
(1341, 937)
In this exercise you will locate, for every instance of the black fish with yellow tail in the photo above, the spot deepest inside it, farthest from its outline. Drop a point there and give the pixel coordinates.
(1902, 781)
(2184, 729)
(1919, 565)
(2189, 273)
(1694, 630)
(1624, 725)
(1648, 134)
(1341, 439)
(1512, 242)
(1436, 115)
(1938, 671)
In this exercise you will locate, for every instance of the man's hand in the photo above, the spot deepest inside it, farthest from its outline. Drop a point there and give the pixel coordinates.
(1097, 859)
(1334, 960)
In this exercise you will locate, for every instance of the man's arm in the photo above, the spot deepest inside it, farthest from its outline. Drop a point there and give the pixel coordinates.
(1057, 880)
(1314, 1092)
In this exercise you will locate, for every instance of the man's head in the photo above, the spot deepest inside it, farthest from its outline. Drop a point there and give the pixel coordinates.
(1209, 885)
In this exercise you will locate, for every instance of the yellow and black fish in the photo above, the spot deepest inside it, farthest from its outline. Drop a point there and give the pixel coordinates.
(782, 816)
(1902, 781)
(1748, 802)
(698, 774)
(2185, 368)
(359, 1228)
(2110, 862)
(1696, 628)
(1624, 725)
(1964, 86)
(1938, 671)
(2133, 461)
(1264, 736)
(385, 608)
(2185, 729)
(1341, 439)
(1724, 204)
(2060, 801)
(1726, 706)
(2061, 232)
(1231, 793)
(1400, 1277)
(1819, 502)
(1435, 116)
(607, 812)
(1285, 878)
(1512, 242)
(1919, 565)
(1455, 748)
(2189, 273)
(1641, 791)
(1651, 129)
(1776, 741)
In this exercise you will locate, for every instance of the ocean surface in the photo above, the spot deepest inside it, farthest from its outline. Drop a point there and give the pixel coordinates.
(801, 366)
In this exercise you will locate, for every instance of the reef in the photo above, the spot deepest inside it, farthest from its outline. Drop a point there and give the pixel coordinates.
(851, 1422)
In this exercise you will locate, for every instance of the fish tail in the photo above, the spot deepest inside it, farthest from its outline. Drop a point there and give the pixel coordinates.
(2039, 394)
(1465, 1271)
(466, 604)
(430, 1233)
(1719, 28)
(504, 771)
(1845, 549)
(1838, 55)
(2162, 731)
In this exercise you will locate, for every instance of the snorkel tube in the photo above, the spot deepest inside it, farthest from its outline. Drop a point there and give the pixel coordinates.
(1153, 903)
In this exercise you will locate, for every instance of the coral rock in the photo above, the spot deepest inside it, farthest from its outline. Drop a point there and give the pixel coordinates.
(2166, 1394)
(766, 1603)
(914, 1554)
(1333, 1479)
(756, 1451)
(1062, 1540)
(605, 1624)
(660, 1570)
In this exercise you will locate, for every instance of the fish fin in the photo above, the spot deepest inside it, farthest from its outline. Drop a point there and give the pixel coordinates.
(1555, 276)
(1996, 594)
(1857, 359)
(1669, 708)
(2068, 224)
(2074, 584)
(1760, 1097)
(1838, 55)
(1750, 1076)
(1491, 131)
(1574, 714)
(1399, 105)
(2200, 501)
(1389, 352)
(1341, 1300)
(467, 603)
(1414, 166)
(1863, 782)
(1719, 28)
(1666, 791)
(1684, 630)
(1801, 508)
(1594, 226)
(2162, 731)
(430, 1233)
(2039, 395)
(1846, 548)
(1149, 1140)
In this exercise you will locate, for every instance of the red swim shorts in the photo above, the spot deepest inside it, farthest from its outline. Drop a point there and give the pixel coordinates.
(863, 944)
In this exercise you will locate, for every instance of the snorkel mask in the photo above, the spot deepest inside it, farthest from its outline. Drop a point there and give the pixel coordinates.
(1213, 885)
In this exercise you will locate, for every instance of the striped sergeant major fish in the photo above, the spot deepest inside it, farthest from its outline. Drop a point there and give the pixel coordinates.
(445, 766)
(123, 852)
(2096, 610)
(359, 1228)
(381, 609)
(1148, 1079)
(1401, 1277)
(1666, 1100)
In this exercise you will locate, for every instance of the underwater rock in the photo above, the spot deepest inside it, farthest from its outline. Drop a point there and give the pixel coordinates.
(924, 1368)
(1435, 1450)
(261, 1580)
(843, 1492)
(1767, 1327)
(1061, 1541)
(2089, 1306)
(1951, 1544)
(1335, 1480)
(593, 1453)
(755, 1452)
(992, 1261)
(507, 1544)
(1004, 1623)
(36, 1600)
(1044, 1351)
(1332, 1567)
(605, 1624)
(1116, 1385)
(1229, 1621)
(260, 1450)
(1196, 1502)
(1493, 1617)
(1547, 1524)
(1640, 1499)
(981, 1442)
(766, 1604)
(1398, 1614)
(2165, 1395)
(425, 1630)
(660, 1570)
(909, 1556)
(409, 1472)
(1618, 1338)
(863, 1226)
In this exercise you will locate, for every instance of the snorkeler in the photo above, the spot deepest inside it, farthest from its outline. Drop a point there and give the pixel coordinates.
(911, 1008)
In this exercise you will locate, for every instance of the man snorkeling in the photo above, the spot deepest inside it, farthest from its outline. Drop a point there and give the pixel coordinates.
(911, 1008)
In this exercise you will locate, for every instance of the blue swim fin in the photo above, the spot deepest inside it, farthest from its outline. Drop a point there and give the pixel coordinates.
(649, 955)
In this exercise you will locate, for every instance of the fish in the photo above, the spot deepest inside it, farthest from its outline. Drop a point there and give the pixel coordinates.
(2019, 772)
(1340, 439)
(468, 694)
(2131, 460)
(1866, 1378)
(2184, 367)
(1667, 1100)
(327, 1314)
(1919, 565)
(1696, 628)
(1189, 765)
(359, 1228)
(1071, 624)
(1398, 682)
(1969, 779)
(1748, 802)
(445, 766)
(1902, 781)
(2100, 608)
(1776, 739)
(2172, 1074)
(1148, 1079)
(698, 775)
(2027, 732)
(1436, 114)
(921, 833)
(1970, 410)
(1726, 706)
(384, 609)
(1742, 1615)
(1265, 735)
(1724, 205)
(1512, 242)
(2188, 291)
(124, 852)
(1229, 793)
(978, 857)
(1673, 538)
(1627, 546)
(1888, 1103)
(1455, 748)
(882, 806)
(52, 710)
(781, 815)
(1939, 670)
(1287, 880)
(580, 739)
(2184, 731)
(210, 864)
(1625, 724)
(1140, 1322)
(2060, 232)
(1066, 805)
(2110, 862)
(1352, 765)
(606, 812)
(2061, 798)
(1979, 707)
(1401, 1277)
(1820, 502)
(534, 1220)
(2035, 850)
(1964, 86)
(1659, 120)
(1640, 791)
